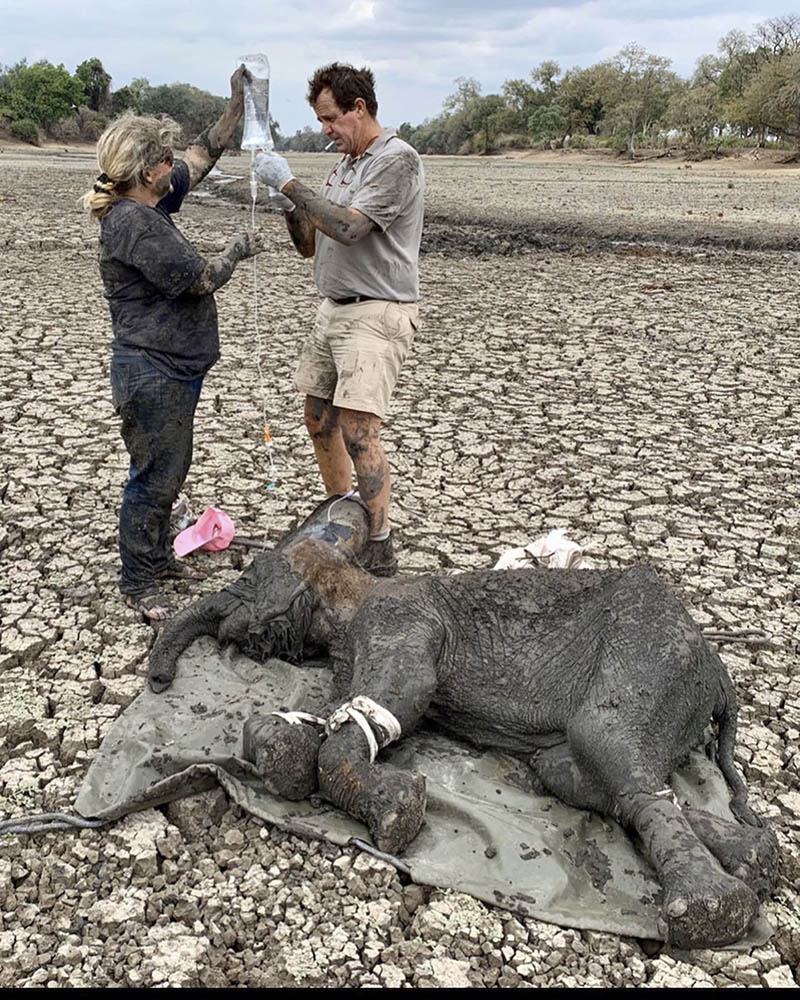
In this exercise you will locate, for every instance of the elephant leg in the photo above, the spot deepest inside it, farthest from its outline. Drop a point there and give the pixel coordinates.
(389, 801)
(748, 852)
(703, 906)
(285, 755)
(560, 774)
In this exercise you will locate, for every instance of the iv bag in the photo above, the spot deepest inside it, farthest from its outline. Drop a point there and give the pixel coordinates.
(256, 133)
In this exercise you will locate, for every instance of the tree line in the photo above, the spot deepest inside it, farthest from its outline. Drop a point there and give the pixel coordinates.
(47, 100)
(749, 91)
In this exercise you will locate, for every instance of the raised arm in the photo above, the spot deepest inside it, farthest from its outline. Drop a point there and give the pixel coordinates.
(204, 151)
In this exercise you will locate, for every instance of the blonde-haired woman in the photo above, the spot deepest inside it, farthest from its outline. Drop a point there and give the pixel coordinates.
(160, 291)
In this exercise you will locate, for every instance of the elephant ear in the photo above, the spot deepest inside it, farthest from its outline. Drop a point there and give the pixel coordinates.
(279, 606)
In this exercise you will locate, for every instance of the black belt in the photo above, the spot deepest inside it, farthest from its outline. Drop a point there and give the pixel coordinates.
(354, 298)
(351, 299)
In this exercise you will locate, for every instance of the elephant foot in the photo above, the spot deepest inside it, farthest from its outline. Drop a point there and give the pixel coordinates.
(759, 867)
(395, 810)
(708, 911)
(749, 853)
(285, 755)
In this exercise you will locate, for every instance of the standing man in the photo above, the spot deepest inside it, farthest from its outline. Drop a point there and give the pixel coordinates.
(160, 292)
(363, 229)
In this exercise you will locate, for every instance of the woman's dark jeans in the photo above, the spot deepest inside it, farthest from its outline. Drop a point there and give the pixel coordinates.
(157, 421)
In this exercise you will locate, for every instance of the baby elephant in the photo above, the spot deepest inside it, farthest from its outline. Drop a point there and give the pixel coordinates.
(597, 679)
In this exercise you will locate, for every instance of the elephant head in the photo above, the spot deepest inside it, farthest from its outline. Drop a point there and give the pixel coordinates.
(270, 610)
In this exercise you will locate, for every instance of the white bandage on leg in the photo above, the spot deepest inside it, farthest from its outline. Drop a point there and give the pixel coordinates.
(668, 793)
(349, 714)
(296, 718)
(363, 711)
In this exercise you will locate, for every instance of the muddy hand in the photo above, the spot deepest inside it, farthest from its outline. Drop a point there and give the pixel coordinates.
(255, 241)
(237, 88)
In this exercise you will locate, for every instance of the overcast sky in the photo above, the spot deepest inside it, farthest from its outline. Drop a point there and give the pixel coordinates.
(415, 47)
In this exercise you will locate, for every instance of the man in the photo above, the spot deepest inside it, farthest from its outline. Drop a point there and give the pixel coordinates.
(363, 230)
(160, 293)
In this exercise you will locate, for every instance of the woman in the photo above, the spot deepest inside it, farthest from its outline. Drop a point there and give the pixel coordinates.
(160, 291)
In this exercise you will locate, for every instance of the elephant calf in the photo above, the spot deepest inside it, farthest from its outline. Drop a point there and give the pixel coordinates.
(597, 679)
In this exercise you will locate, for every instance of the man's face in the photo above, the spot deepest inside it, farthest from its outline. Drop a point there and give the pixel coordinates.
(342, 126)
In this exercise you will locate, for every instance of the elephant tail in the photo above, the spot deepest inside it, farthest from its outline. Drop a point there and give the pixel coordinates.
(725, 715)
(201, 618)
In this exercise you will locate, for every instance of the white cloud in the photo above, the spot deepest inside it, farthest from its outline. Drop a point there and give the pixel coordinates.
(417, 47)
(361, 10)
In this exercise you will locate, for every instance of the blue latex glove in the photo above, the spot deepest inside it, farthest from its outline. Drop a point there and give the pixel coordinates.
(273, 170)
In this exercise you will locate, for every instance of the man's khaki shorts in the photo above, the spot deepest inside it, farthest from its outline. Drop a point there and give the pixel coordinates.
(355, 352)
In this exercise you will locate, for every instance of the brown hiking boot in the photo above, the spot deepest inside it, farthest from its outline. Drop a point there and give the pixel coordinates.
(378, 558)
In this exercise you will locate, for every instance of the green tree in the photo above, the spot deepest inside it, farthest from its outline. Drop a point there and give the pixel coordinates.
(708, 71)
(645, 84)
(467, 91)
(191, 108)
(586, 97)
(772, 98)
(42, 92)
(96, 85)
(546, 124)
(696, 112)
(139, 87)
(522, 98)
(545, 75)
(123, 99)
(308, 140)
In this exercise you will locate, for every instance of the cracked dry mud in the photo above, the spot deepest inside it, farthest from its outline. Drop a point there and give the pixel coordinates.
(643, 394)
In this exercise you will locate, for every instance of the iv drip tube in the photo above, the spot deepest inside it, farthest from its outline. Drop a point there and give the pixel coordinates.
(259, 341)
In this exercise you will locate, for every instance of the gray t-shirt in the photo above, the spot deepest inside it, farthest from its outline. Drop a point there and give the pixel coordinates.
(387, 184)
(147, 267)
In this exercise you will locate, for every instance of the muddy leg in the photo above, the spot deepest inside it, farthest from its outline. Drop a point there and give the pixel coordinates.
(389, 802)
(395, 666)
(322, 423)
(561, 775)
(703, 905)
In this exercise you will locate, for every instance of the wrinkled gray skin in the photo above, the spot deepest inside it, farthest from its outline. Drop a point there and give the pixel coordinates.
(598, 679)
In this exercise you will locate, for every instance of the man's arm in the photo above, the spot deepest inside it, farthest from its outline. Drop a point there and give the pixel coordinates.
(302, 231)
(204, 151)
(345, 225)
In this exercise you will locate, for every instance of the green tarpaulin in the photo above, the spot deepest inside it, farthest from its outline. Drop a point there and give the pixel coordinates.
(486, 832)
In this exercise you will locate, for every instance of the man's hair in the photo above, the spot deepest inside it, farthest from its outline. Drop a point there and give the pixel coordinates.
(347, 84)
(129, 147)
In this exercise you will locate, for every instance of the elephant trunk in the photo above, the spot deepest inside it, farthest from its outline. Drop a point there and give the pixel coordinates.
(201, 618)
